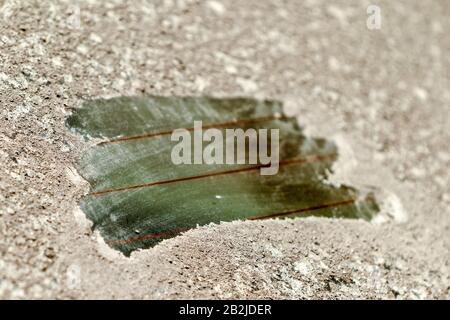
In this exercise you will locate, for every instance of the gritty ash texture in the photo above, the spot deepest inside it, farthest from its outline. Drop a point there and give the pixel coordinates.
(381, 94)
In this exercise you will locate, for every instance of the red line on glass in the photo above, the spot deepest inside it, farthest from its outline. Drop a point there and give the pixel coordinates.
(307, 159)
(208, 126)
(267, 216)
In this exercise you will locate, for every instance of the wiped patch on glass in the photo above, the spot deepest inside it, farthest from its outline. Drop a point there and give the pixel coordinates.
(139, 196)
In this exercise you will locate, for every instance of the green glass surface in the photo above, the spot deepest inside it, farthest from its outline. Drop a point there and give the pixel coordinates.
(132, 212)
